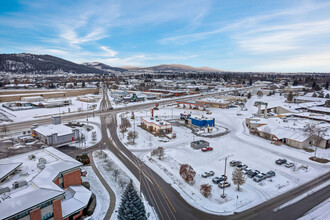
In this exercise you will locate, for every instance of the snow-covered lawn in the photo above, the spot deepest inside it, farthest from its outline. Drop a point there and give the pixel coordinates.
(253, 151)
(102, 196)
(107, 166)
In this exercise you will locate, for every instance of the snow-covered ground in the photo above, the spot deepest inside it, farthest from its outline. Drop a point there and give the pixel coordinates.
(102, 196)
(26, 115)
(107, 166)
(253, 151)
(320, 212)
(94, 125)
(302, 196)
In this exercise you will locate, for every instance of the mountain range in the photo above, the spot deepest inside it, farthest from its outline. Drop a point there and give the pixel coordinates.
(47, 64)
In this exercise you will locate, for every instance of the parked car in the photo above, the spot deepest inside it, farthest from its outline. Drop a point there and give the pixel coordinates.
(224, 184)
(280, 161)
(241, 167)
(270, 174)
(246, 170)
(217, 180)
(288, 165)
(253, 174)
(259, 177)
(204, 149)
(234, 163)
(207, 174)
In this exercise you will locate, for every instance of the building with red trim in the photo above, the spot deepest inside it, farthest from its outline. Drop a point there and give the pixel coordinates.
(156, 126)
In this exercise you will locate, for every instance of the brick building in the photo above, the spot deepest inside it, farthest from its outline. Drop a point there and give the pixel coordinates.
(47, 185)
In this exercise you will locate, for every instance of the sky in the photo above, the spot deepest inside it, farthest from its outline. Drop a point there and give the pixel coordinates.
(236, 35)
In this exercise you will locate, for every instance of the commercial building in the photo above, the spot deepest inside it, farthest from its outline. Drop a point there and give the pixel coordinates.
(197, 121)
(156, 126)
(43, 184)
(56, 133)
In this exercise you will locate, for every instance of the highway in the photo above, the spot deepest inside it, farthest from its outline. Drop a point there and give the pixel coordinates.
(104, 105)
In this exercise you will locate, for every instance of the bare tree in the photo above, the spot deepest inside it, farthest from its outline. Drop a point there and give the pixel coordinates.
(266, 130)
(259, 94)
(187, 173)
(4, 129)
(110, 165)
(159, 152)
(122, 183)
(132, 135)
(205, 190)
(116, 174)
(238, 178)
(316, 134)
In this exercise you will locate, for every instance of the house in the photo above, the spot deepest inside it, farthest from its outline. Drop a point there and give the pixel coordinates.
(56, 133)
(44, 184)
(156, 126)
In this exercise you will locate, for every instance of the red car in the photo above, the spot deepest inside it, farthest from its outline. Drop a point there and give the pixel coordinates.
(207, 149)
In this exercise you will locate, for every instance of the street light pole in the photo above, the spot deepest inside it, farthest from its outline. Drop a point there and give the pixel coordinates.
(225, 158)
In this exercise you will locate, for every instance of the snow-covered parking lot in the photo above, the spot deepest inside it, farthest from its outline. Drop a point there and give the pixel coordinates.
(253, 151)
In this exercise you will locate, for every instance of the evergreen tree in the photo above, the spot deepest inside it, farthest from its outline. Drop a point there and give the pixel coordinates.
(131, 207)
(327, 85)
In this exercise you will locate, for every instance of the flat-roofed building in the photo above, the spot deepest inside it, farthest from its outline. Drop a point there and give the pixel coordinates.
(47, 185)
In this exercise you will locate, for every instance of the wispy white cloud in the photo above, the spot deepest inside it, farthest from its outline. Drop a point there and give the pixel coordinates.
(110, 52)
(250, 24)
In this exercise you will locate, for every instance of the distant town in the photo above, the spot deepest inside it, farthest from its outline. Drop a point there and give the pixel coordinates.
(91, 141)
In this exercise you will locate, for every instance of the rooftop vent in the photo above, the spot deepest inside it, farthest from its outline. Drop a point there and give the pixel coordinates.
(42, 160)
(41, 166)
(18, 184)
(4, 190)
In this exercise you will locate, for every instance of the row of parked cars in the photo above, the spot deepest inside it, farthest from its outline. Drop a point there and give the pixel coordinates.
(285, 162)
(255, 174)
(220, 181)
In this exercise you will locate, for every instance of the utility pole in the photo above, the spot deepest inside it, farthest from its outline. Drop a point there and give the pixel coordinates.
(223, 189)
(134, 131)
(140, 181)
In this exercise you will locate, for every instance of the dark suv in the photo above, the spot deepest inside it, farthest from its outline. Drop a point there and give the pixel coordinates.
(280, 161)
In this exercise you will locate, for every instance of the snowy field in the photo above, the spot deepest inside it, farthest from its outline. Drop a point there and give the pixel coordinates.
(36, 113)
(253, 151)
(108, 165)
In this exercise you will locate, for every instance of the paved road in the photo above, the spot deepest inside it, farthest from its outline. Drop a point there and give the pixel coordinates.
(112, 195)
(74, 116)
(170, 205)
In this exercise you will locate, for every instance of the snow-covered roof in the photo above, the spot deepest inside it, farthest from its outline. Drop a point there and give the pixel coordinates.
(50, 129)
(7, 168)
(321, 109)
(77, 199)
(281, 132)
(308, 98)
(13, 206)
(40, 185)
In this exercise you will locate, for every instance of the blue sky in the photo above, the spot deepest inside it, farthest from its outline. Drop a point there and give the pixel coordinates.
(238, 35)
